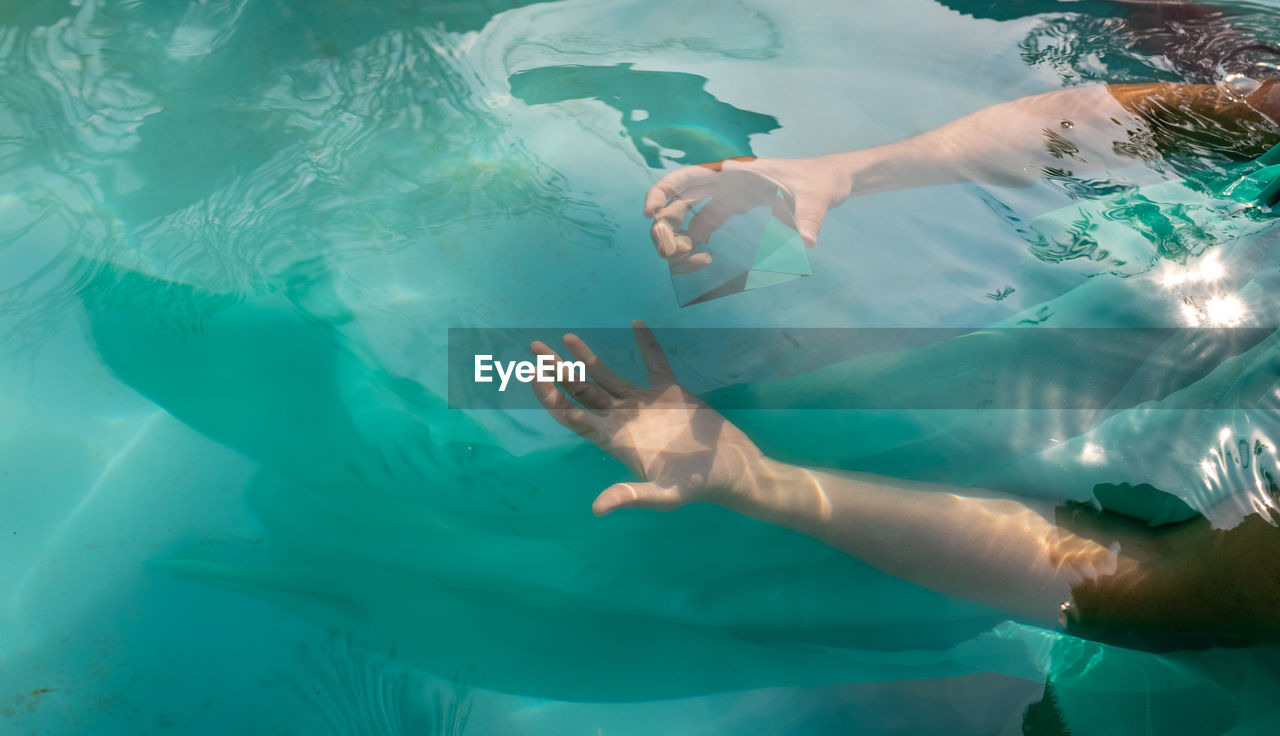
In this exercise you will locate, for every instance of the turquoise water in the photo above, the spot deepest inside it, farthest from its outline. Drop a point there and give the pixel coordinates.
(233, 236)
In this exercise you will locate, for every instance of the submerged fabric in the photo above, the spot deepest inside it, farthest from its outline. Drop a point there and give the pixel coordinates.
(279, 206)
(406, 525)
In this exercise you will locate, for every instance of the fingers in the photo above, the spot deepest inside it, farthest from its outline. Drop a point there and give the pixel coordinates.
(596, 369)
(655, 361)
(561, 408)
(664, 237)
(675, 211)
(636, 496)
(689, 263)
(558, 404)
(669, 241)
(673, 184)
(583, 391)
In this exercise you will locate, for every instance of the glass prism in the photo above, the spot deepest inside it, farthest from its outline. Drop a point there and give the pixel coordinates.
(750, 251)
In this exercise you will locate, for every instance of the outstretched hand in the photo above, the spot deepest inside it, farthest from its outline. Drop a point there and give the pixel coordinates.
(682, 450)
(735, 186)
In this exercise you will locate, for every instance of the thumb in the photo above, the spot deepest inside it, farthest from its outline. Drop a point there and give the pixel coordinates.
(809, 215)
(636, 496)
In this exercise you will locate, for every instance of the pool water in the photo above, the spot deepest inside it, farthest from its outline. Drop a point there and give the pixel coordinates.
(234, 236)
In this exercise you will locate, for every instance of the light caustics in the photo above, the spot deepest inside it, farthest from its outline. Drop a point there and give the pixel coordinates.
(1217, 307)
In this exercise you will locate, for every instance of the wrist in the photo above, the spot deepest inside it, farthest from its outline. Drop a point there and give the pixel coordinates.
(866, 171)
(843, 174)
(888, 167)
(779, 493)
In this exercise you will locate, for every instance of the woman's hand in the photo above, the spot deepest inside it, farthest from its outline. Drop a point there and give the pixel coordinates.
(735, 186)
(681, 448)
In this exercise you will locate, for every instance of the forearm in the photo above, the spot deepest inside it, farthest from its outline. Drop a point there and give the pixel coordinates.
(1069, 132)
(1119, 577)
(992, 550)
(1023, 556)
